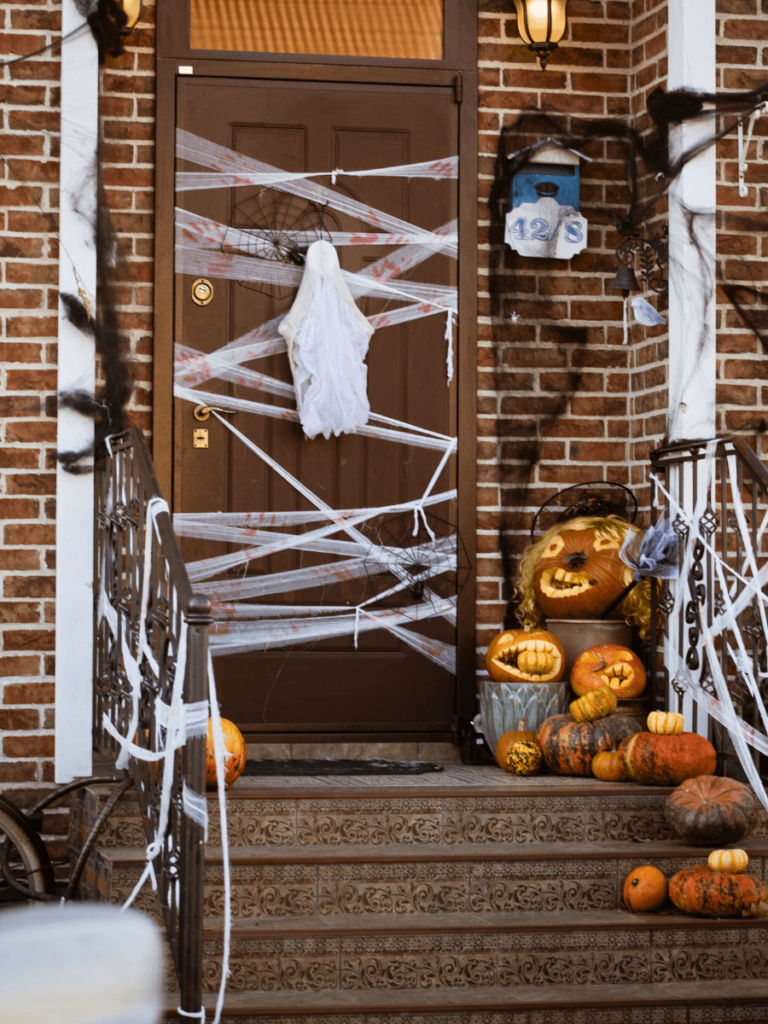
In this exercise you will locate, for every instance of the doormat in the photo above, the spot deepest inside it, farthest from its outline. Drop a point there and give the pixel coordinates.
(328, 767)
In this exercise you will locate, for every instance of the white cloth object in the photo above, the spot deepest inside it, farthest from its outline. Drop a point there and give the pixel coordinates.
(327, 339)
(645, 314)
(80, 964)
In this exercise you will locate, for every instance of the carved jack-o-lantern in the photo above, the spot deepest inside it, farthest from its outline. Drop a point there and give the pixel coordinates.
(525, 656)
(579, 573)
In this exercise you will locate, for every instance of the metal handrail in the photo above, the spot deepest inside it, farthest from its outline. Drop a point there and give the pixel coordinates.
(126, 482)
(678, 467)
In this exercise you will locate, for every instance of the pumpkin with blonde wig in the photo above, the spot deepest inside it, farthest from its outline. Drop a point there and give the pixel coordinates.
(574, 572)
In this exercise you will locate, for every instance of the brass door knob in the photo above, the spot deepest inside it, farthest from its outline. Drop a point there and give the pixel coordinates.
(202, 291)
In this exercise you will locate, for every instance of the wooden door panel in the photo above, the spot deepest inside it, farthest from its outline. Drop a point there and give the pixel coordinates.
(383, 686)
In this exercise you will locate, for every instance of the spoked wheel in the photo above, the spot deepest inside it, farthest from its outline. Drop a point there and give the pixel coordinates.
(26, 866)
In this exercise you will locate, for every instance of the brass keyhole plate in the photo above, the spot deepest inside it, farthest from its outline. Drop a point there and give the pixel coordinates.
(200, 438)
(202, 291)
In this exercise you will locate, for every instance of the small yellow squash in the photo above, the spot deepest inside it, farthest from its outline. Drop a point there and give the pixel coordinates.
(732, 862)
(665, 723)
(594, 705)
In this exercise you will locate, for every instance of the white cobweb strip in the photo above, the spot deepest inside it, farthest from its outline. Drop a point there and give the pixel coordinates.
(193, 367)
(196, 231)
(276, 412)
(720, 708)
(187, 181)
(262, 520)
(230, 637)
(227, 266)
(210, 154)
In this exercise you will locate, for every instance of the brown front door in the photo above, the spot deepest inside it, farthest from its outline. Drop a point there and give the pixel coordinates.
(383, 688)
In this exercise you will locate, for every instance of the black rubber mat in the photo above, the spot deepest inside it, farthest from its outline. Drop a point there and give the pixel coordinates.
(328, 767)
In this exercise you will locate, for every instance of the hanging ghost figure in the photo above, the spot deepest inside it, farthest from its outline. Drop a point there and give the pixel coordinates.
(327, 338)
(645, 314)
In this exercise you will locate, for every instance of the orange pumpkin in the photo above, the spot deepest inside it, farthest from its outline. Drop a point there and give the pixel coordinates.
(525, 656)
(579, 574)
(645, 889)
(714, 893)
(569, 747)
(234, 763)
(609, 665)
(656, 760)
(594, 705)
(606, 766)
(708, 810)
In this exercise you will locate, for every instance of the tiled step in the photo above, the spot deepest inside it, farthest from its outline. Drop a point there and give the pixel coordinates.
(689, 1002)
(460, 951)
(377, 881)
(504, 810)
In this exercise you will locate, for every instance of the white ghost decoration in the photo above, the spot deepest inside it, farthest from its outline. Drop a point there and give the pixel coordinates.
(645, 314)
(327, 338)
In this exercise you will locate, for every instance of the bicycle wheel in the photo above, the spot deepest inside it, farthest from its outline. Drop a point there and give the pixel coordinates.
(30, 872)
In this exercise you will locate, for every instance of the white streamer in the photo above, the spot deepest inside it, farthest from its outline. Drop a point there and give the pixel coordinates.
(187, 181)
(195, 804)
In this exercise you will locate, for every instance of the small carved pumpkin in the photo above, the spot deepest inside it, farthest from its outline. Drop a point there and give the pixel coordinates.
(579, 573)
(518, 752)
(525, 656)
(645, 889)
(655, 760)
(608, 665)
(593, 705)
(708, 810)
(606, 766)
(234, 744)
(665, 723)
(733, 862)
(700, 890)
(569, 746)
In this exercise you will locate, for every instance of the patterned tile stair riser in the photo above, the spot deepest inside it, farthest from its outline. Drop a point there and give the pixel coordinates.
(350, 900)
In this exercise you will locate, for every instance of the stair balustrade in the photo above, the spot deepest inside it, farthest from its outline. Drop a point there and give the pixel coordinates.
(719, 489)
(148, 622)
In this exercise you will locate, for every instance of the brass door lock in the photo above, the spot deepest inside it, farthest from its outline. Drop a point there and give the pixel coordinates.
(200, 438)
(202, 291)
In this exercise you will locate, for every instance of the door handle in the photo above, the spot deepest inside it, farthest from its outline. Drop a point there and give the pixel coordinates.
(202, 412)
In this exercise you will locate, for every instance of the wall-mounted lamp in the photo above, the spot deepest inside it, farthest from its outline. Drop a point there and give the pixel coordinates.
(542, 24)
(132, 9)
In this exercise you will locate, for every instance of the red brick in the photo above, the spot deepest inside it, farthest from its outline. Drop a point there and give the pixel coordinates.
(28, 693)
(28, 746)
(19, 665)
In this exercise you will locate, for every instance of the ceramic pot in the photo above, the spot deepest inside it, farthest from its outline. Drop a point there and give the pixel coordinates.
(503, 705)
(578, 635)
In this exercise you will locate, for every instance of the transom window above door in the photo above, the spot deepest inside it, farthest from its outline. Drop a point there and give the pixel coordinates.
(400, 29)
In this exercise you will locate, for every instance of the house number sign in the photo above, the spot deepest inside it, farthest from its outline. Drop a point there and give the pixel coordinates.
(546, 229)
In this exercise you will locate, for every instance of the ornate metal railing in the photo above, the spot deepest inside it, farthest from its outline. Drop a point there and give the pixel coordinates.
(126, 485)
(680, 468)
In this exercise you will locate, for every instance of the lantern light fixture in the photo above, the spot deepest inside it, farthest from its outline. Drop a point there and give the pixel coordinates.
(542, 24)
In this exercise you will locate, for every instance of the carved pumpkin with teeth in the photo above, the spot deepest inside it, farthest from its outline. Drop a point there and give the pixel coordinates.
(523, 656)
(579, 573)
(608, 665)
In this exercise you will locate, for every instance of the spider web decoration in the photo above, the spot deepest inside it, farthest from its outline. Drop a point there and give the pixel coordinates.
(426, 568)
(598, 498)
(280, 228)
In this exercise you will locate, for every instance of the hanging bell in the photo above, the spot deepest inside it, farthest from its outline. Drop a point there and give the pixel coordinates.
(625, 281)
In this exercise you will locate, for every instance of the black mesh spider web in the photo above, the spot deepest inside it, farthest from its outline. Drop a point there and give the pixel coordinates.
(418, 560)
(277, 223)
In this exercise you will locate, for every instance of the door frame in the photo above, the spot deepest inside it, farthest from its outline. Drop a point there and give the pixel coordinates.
(464, 82)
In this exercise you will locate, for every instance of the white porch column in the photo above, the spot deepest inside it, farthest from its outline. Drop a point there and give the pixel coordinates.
(691, 43)
(75, 494)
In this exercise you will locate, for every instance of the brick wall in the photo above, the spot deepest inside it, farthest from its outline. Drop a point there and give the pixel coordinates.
(561, 399)
(30, 96)
(555, 388)
(742, 242)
